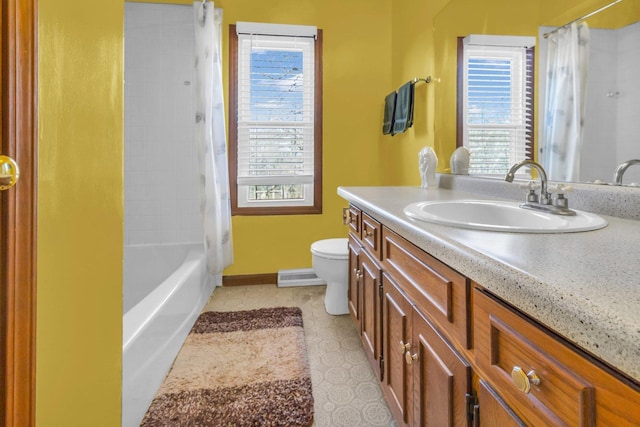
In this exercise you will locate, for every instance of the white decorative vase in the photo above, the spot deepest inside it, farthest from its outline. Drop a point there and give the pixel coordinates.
(459, 161)
(428, 162)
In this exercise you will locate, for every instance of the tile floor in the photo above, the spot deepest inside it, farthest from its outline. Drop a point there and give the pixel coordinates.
(345, 389)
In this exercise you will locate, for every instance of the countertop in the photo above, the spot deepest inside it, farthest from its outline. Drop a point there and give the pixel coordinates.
(585, 286)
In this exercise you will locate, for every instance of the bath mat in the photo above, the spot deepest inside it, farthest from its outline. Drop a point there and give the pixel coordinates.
(240, 368)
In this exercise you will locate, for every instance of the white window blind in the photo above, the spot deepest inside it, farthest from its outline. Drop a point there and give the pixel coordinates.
(498, 103)
(275, 117)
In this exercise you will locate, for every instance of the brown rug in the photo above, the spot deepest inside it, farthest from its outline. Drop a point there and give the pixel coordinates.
(241, 368)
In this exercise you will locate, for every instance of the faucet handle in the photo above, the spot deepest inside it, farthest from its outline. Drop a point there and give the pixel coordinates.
(560, 189)
(531, 186)
(558, 199)
(532, 196)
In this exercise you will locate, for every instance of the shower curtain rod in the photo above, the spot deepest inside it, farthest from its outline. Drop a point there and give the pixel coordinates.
(582, 18)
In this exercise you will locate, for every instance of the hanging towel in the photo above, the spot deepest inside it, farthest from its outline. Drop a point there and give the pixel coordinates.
(403, 117)
(389, 110)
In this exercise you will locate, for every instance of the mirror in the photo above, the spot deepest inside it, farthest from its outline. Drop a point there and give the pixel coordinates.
(611, 126)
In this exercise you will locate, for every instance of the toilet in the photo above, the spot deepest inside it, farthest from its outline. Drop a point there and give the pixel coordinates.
(331, 264)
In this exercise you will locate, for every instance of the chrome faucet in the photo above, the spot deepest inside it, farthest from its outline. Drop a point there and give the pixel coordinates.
(545, 199)
(617, 177)
(557, 205)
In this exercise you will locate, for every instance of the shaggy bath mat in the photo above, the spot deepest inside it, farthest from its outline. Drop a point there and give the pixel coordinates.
(241, 368)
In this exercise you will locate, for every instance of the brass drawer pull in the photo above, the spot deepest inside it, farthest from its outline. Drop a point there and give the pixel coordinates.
(404, 346)
(523, 380)
(367, 233)
(346, 216)
(409, 358)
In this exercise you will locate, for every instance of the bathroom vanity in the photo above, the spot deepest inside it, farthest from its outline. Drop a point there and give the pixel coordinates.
(467, 327)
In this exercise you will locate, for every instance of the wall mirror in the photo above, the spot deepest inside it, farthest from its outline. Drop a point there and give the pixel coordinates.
(611, 125)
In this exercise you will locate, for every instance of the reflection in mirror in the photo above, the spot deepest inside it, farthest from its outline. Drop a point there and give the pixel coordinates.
(608, 45)
(611, 123)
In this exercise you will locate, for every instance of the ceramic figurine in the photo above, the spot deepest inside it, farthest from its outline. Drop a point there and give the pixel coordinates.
(459, 161)
(428, 162)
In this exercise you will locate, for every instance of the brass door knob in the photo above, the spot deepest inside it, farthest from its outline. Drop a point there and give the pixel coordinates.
(9, 172)
(523, 380)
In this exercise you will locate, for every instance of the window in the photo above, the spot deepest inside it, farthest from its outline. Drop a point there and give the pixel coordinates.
(275, 120)
(495, 101)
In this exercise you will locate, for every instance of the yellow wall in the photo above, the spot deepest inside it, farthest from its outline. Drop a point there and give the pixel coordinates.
(412, 56)
(80, 219)
(357, 76)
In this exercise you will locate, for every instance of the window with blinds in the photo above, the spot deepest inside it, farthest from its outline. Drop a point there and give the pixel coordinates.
(276, 143)
(497, 102)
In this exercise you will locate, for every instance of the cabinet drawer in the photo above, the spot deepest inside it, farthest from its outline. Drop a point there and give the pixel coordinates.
(351, 217)
(572, 389)
(371, 236)
(438, 292)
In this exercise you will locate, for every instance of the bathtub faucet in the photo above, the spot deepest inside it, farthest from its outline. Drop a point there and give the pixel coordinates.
(617, 177)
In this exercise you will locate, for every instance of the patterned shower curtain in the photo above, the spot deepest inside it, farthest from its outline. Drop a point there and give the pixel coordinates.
(568, 59)
(211, 138)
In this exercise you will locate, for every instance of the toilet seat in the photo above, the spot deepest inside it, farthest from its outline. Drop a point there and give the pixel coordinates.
(331, 248)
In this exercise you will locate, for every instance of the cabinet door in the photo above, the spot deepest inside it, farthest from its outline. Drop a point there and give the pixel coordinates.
(493, 411)
(397, 383)
(354, 280)
(370, 311)
(441, 378)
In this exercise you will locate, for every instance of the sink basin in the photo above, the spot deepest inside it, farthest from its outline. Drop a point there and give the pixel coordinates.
(500, 216)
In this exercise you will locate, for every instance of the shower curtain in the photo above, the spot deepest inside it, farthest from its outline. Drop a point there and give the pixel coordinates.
(210, 132)
(568, 58)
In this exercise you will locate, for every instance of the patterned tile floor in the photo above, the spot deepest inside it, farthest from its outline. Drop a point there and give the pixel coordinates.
(345, 389)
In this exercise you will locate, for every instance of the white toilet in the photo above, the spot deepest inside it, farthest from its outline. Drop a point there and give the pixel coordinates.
(331, 264)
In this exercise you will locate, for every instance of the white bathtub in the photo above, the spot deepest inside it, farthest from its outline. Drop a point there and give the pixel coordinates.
(165, 288)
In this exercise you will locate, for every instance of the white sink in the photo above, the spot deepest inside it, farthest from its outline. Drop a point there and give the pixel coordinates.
(500, 216)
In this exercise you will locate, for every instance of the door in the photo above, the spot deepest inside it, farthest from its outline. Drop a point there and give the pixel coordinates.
(441, 378)
(397, 382)
(354, 281)
(370, 311)
(18, 215)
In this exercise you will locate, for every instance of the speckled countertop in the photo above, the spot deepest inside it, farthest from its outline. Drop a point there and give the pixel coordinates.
(585, 286)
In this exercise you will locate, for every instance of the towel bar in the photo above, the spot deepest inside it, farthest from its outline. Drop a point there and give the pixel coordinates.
(426, 80)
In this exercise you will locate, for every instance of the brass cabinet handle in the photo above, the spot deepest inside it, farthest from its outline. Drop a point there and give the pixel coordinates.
(409, 358)
(367, 233)
(404, 346)
(357, 273)
(346, 216)
(523, 380)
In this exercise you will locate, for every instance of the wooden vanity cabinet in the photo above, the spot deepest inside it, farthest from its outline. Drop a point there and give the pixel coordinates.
(365, 288)
(426, 381)
(452, 354)
(541, 377)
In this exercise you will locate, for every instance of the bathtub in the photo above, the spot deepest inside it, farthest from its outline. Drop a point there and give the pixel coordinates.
(165, 288)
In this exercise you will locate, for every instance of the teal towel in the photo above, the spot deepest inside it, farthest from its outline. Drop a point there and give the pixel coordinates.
(403, 117)
(389, 110)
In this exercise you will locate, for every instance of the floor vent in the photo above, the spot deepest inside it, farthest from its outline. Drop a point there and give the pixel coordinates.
(299, 277)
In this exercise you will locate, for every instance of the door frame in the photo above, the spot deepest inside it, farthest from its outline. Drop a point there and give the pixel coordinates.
(18, 214)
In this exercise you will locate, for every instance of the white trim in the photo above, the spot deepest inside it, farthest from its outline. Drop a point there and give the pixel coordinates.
(494, 40)
(276, 29)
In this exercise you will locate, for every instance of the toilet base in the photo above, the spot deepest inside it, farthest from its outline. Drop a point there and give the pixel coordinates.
(335, 299)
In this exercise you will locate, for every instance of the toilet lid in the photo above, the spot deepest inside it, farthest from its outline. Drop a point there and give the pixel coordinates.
(331, 248)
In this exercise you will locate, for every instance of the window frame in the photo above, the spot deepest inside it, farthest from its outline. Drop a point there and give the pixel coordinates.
(316, 206)
(527, 86)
